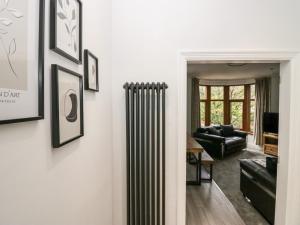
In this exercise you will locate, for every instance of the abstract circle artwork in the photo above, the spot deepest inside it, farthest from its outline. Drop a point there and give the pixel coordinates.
(70, 106)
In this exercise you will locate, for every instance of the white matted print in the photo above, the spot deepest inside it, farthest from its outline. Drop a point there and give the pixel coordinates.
(66, 28)
(13, 45)
(91, 71)
(21, 60)
(67, 106)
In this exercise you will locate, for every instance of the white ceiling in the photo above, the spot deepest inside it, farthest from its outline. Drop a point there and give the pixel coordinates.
(222, 71)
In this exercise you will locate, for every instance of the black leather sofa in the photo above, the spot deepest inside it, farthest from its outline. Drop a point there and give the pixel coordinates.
(220, 141)
(259, 186)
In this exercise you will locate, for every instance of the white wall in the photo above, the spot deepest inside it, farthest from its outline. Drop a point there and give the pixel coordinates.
(71, 185)
(147, 39)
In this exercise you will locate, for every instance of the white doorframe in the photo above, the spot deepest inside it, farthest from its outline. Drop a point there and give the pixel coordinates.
(286, 58)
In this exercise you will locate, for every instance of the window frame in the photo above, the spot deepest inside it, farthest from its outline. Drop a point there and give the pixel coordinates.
(227, 105)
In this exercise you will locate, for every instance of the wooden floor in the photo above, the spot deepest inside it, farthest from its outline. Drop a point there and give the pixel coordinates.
(207, 205)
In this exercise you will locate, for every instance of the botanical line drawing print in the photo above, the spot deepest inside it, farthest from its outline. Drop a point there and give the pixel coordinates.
(67, 14)
(93, 73)
(6, 22)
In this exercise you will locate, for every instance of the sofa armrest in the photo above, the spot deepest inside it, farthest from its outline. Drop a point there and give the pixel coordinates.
(209, 137)
(240, 133)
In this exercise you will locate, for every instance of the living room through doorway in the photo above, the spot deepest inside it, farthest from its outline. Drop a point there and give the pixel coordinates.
(226, 119)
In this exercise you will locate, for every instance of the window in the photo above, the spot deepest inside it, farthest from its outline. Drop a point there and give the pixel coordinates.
(217, 93)
(217, 112)
(252, 107)
(203, 92)
(203, 104)
(217, 105)
(236, 99)
(236, 92)
(236, 114)
(202, 113)
(228, 105)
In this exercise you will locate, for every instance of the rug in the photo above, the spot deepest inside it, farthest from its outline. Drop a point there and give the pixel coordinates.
(227, 176)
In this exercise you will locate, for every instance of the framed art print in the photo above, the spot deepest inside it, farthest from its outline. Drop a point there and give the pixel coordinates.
(67, 106)
(21, 60)
(66, 29)
(91, 71)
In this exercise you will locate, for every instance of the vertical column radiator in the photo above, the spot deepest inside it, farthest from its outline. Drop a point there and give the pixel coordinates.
(145, 153)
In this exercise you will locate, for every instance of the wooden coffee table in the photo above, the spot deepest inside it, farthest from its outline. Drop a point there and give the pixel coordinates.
(204, 159)
(194, 148)
(208, 161)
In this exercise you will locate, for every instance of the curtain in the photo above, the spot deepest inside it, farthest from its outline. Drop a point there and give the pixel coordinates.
(195, 123)
(262, 97)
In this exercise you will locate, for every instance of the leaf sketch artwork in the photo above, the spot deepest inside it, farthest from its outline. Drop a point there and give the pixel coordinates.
(67, 26)
(13, 45)
(92, 73)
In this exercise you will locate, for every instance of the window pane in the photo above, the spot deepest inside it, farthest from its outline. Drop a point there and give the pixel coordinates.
(217, 93)
(236, 114)
(202, 113)
(203, 92)
(217, 112)
(236, 92)
(253, 91)
(252, 115)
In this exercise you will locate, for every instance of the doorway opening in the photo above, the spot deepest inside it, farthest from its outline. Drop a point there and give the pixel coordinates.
(284, 59)
(232, 114)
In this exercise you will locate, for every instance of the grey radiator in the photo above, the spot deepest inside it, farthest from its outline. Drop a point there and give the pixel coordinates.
(145, 153)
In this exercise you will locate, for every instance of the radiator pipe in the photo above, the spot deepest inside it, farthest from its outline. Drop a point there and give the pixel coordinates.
(132, 161)
(128, 150)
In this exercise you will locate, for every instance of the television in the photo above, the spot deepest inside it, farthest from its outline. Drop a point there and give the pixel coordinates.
(270, 122)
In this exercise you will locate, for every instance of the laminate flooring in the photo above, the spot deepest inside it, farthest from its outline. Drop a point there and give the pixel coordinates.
(207, 205)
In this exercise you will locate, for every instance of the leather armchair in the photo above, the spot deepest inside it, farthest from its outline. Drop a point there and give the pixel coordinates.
(259, 185)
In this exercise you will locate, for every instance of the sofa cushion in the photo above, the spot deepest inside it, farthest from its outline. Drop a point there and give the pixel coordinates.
(214, 131)
(227, 130)
(202, 130)
(234, 141)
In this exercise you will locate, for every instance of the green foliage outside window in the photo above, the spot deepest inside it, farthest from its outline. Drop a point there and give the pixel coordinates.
(236, 101)
(203, 92)
(217, 93)
(217, 112)
(236, 114)
(236, 92)
(202, 113)
(252, 88)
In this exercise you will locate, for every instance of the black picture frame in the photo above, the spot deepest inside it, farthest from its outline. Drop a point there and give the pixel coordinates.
(88, 54)
(56, 142)
(53, 33)
(40, 49)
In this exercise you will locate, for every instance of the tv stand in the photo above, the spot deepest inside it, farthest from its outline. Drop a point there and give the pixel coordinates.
(270, 144)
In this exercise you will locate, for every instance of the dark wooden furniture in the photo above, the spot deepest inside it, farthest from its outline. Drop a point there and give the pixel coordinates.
(270, 144)
(208, 161)
(202, 159)
(194, 148)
